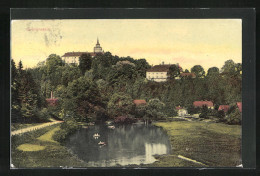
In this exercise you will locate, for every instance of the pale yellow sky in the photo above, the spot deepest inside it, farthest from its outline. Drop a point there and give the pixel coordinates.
(207, 42)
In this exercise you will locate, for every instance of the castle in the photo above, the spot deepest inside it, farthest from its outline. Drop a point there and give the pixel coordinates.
(73, 57)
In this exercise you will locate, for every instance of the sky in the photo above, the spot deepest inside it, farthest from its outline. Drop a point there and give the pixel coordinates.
(189, 42)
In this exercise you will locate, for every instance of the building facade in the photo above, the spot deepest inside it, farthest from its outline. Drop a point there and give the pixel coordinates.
(73, 57)
(158, 73)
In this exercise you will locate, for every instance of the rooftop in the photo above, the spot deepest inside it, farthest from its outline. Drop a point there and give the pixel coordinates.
(202, 103)
(239, 105)
(139, 102)
(161, 68)
(75, 54)
(225, 108)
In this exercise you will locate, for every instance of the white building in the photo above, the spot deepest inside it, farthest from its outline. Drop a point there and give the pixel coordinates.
(73, 57)
(158, 73)
(182, 112)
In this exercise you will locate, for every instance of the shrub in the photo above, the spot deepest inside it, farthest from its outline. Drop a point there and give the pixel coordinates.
(234, 118)
(204, 112)
(221, 116)
(44, 114)
(124, 119)
(192, 110)
(67, 127)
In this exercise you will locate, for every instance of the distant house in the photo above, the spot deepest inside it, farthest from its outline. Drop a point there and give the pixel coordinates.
(181, 111)
(186, 75)
(52, 101)
(224, 108)
(178, 108)
(73, 57)
(158, 73)
(139, 102)
(200, 104)
(239, 105)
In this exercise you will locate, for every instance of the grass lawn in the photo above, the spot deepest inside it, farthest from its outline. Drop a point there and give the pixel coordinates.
(214, 144)
(38, 149)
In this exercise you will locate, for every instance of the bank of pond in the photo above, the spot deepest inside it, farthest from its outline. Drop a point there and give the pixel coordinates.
(160, 144)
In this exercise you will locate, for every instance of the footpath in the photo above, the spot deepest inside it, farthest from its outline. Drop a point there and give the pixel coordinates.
(33, 128)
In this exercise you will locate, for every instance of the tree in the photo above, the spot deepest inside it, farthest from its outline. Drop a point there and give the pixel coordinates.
(120, 104)
(173, 72)
(85, 62)
(82, 99)
(52, 63)
(204, 112)
(213, 71)
(186, 71)
(141, 66)
(69, 73)
(229, 67)
(29, 96)
(238, 68)
(154, 109)
(15, 103)
(198, 70)
(122, 73)
(20, 66)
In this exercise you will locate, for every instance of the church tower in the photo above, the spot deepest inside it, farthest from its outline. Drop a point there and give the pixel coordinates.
(98, 48)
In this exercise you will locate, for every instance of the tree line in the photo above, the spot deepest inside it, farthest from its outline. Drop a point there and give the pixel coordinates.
(104, 87)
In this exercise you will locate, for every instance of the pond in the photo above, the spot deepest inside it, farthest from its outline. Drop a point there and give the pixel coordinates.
(125, 145)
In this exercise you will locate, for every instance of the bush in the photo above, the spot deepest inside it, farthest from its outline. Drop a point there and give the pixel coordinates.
(221, 116)
(234, 118)
(204, 112)
(67, 127)
(124, 120)
(44, 114)
(192, 110)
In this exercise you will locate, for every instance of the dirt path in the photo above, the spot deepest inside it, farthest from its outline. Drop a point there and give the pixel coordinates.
(33, 128)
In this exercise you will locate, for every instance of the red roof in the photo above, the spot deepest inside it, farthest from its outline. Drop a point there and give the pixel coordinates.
(188, 74)
(225, 108)
(202, 103)
(52, 101)
(178, 107)
(139, 102)
(239, 105)
(161, 68)
(78, 54)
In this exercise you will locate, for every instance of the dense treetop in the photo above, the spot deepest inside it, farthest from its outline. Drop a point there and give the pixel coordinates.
(105, 86)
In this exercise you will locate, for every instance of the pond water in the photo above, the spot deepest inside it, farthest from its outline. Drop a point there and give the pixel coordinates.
(126, 144)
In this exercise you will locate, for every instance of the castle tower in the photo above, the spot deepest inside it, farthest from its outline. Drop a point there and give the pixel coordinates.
(98, 48)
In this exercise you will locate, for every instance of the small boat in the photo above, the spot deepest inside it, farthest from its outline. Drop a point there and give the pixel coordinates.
(111, 127)
(84, 126)
(101, 143)
(96, 135)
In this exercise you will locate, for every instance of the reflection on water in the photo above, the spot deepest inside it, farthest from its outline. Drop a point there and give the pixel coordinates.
(153, 149)
(129, 144)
